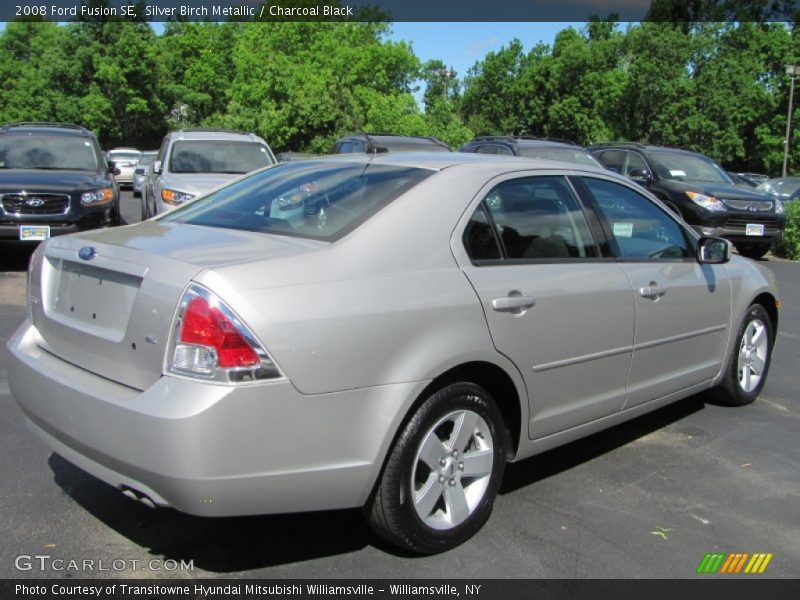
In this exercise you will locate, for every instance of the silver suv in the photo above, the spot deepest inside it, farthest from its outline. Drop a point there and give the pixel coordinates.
(191, 162)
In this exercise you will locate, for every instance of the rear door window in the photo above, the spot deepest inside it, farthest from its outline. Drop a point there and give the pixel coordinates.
(538, 218)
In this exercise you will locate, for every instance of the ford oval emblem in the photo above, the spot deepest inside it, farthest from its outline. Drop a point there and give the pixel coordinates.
(87, 253)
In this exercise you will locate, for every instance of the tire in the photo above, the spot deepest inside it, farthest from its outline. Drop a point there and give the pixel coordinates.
(754, 250)
(746, 371)
(424, 500)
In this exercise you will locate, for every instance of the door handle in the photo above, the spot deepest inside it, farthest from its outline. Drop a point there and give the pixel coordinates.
(652, 291)
(518, 304)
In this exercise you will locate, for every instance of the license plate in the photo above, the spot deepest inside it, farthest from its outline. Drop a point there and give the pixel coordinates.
(754, 229)
(34, 233)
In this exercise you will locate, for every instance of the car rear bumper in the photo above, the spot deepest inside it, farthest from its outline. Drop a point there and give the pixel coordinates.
(209, 449)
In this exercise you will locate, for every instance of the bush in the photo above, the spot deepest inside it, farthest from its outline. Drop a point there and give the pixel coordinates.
(789, 245)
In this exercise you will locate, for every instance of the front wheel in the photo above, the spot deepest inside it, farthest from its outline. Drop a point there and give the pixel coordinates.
(753, 250)
(442, 475)
(747, 369)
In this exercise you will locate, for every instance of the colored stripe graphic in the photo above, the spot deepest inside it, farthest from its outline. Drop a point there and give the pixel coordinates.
(710, 563)
(734, 563)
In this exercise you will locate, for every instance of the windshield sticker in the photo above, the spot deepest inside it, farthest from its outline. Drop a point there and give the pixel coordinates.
(623, 229)
(677, 173)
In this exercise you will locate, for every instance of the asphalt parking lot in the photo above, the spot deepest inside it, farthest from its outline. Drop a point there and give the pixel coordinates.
(646, 499)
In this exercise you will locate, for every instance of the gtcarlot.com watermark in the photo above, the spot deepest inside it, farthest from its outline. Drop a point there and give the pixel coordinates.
(45, 562)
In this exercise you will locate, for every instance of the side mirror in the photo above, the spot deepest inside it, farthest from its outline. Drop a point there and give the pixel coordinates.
(112, 167)
(641, 176)
(156, 166)
(713, 250)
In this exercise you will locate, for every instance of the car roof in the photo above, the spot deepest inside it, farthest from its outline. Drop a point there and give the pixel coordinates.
(394, 138)
(438, 161)
(42, 128)
(643, 147)
(525, 141)
(213, 134)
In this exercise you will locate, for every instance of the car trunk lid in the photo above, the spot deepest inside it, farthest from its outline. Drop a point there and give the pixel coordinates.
(105, 301)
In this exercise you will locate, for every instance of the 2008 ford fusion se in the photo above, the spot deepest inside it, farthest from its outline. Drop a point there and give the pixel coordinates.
(380, 331)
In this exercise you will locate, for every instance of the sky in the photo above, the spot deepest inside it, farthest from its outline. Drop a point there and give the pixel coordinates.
(461, 45)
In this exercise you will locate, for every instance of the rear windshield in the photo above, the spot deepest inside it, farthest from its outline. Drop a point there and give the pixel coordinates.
(563, 154)
(47, 152)
(410, 146)
(217, 156)
(318, 200)
(124, 155)
(147, 158)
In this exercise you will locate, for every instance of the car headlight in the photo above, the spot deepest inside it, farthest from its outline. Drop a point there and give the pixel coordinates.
(707, 202)
(175, 197)
(97, 197)
(779, 207)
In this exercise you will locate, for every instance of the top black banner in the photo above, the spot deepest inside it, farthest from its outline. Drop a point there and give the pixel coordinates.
(401, 10)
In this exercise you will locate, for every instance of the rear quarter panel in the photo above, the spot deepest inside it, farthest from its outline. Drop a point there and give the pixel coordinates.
(385, 304)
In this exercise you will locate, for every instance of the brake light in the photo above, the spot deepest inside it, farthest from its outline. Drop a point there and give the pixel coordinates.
(207, 326)
(210, 342)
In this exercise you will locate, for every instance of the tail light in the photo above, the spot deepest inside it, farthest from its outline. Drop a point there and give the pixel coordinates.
(210, 342)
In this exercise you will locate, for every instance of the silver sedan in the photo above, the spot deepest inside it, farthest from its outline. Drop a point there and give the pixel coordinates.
(384, 332)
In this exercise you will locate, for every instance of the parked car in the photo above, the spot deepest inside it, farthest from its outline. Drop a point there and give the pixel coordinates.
(191, 162)
(53, 180)
(429, 318)
(759, 178)
(125, 160)
(531, 147)
(697, 189)
(140, 172)
(785, 189)
(742, 180)
(293, 156)
(376, 143)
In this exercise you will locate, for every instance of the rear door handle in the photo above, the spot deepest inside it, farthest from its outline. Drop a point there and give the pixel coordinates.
(517, 304)
(652, 291)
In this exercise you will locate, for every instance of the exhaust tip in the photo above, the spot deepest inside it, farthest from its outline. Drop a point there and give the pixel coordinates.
(135, 494)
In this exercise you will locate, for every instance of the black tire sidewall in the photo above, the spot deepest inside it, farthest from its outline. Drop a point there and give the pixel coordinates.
(460, 396)
(736, 396)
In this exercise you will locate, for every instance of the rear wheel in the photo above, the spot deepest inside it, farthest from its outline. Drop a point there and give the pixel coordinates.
(747, 369)
(754, 250)
(442, 475)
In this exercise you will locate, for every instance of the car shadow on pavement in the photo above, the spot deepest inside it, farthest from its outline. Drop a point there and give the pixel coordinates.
(229, 545)
(564, 458)
(218, 545)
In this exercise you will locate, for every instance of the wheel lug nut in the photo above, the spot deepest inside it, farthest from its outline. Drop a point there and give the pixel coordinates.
(455, 453)
(442, 462)
(441, 478)
(451, 483)
(461, 466)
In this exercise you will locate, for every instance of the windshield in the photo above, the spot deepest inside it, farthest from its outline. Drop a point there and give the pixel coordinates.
(147, 158)
(563, 154)
(319, 200)
(47, 152)
(688, 167)
(124, 154)
(217, 156)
